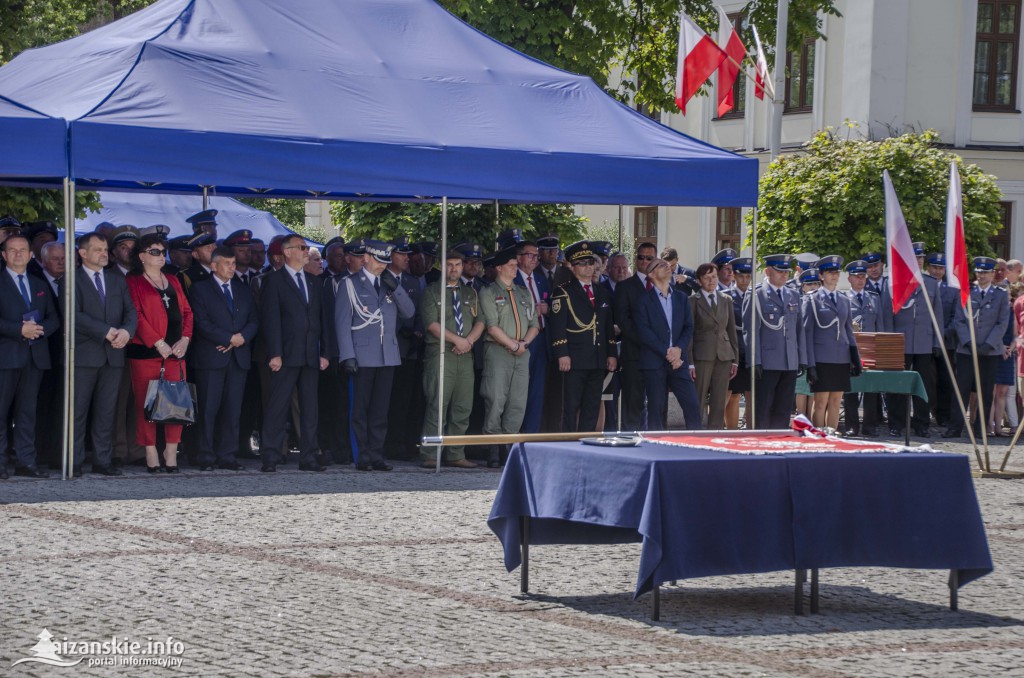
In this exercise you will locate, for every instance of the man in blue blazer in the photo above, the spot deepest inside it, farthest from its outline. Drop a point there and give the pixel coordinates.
(664, 329)
(105, 321)
(224, 316)
(27, 317)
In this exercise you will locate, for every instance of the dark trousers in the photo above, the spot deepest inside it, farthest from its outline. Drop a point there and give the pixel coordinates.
(371, 394)
(538, 377)
(220, 393)
(581, 398)
(658, 384)
(851, 403)
(987, 365)
(941, 405)
(275, 434)
(334, 405)
(774, 395)
(551, 418)
(20, 388)
(923, 364)
(251, 418)
(406, 408)
(96, 389)
(631, 381)
(50, 417)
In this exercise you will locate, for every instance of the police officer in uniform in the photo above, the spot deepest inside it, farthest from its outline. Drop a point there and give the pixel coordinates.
(511, 325)
(991, 308)
(582, 339)
(936, 268)
(864, 309)
(463, 328)
(180, 254)
(204, 222)
(723, 260)
(202, 245)
(875, 279)
(777, 343)
(739, 386)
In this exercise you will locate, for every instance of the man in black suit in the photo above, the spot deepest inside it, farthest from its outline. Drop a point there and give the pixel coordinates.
(332, 428)
(627, 295)
(225, 324)
(50, 410)
(290, 302)
(27, 317)
(105, 320)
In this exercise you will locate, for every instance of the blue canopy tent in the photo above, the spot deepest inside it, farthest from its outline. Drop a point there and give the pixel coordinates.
(374, 100)
(146, 209)
(31, 145)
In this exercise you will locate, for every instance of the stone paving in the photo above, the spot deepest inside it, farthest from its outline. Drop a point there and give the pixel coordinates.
(339, 573)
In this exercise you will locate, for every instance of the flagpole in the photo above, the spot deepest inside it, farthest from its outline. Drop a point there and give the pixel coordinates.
(977, 385)
(752, 333)
(952, 376)
(781, 25)
(1013, 443)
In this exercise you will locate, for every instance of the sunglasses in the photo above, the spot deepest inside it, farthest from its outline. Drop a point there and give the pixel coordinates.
(156, 252)
(644, 257)
(297, 247)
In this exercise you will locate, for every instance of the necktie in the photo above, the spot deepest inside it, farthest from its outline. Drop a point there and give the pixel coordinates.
(376, 286)
(302, 286)
(24, 291)
(982, 292)
(533, 293)
(456, 309)
(515, 313)
(99, 287)
(832, 296)
(649, 284)
(227, 295)
(778, 293)
(551, 281)
(590, 294)
(860, 298)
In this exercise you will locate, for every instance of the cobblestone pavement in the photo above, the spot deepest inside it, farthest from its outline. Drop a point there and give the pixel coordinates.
(343, 572)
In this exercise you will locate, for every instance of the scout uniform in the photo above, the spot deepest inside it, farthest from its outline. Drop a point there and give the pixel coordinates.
(462, 314)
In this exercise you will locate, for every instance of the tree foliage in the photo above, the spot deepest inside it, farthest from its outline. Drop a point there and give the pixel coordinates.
(830, 199)
(26, 204)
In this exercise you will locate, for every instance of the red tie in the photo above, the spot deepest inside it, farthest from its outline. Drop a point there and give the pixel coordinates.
(649, 285)
(590, 294)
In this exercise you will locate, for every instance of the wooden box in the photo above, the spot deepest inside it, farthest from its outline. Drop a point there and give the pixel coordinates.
(880, 350)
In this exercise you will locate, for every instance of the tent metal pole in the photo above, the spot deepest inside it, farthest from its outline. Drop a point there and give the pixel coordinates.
(206, 198)
(753, 322)
(622, 211)
(68, 444)
(441, 346)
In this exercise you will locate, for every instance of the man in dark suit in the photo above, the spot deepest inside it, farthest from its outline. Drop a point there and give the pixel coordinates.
(407, 407)
(290, 300)
(333, 427)
(627, 295)
(225, 324)
(27, 317)
(664, 327)
(581, 339)
(50, 410)
(105, 320)
(530, 278)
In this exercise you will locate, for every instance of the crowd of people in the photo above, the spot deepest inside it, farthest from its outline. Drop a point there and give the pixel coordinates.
(337, 353)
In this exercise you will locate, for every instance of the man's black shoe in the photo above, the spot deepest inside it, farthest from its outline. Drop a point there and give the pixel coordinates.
(230, 466)
(952, 433)
(922, 432)
(852, 432)
(31, 472)
(381, 466)
(272, 468)
(869, 432)
(895, 432)
(315, 467)
(206, 467)
(106, 471)
(363, 467)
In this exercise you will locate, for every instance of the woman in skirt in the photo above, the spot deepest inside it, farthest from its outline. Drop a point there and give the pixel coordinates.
(831, 348)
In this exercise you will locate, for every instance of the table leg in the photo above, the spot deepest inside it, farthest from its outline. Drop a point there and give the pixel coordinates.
(906, 430)
(798, 592)
(656, 603)
(814, 590)
(954, 588)
(524, 545)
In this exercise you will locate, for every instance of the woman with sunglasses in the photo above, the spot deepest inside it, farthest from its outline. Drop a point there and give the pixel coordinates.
(162, 338)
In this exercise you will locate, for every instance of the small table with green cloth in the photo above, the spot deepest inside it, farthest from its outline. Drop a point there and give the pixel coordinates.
(881, 381)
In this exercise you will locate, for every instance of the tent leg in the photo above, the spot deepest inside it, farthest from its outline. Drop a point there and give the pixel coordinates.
(440, 344)
(68, 444)
(753, 324)
(622, 211)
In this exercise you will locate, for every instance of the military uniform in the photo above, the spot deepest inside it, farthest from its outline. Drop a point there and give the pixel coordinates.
(506, 378)
(864, 308)
(944, 382)
(457, 400)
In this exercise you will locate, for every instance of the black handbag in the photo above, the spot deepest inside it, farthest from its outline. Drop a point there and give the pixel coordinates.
(170, 402)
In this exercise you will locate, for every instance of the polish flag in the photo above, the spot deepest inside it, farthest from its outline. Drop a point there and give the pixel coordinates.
(735, 53)
(698, 58)
(904, 273)
(763, 78)
(957, 273)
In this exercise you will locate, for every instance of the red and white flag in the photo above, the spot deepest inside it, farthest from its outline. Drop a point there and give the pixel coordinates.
(957, 272)
(904, 273)
(698, 58)
(735, 53)
(763, 78)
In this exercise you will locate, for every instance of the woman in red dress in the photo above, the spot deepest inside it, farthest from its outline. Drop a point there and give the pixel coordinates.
(162, 338)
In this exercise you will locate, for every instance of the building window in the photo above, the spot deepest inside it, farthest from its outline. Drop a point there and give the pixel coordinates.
(728, 228)
(1000, 242)
(995, 55)
(645, 225)
(739, 87)
(800, 79)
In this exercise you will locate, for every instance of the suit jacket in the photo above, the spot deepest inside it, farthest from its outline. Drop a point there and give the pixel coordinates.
(654, 333)
(15, 351)
(714, 334)
(540, 284)
(913, 320)
(330, 330)
(152, 325)
(94, 319)
(828, 327)
(991, 317)
(627, 296)
(364, 334)
(779, 341)
(580, 330)
(409, 344)
(55, 342)
(289, 326)
(215, 324)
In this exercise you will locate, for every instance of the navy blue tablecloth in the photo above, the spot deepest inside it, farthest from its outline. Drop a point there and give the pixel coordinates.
(701, 512)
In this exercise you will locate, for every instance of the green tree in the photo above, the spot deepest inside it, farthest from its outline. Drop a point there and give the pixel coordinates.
(472, 223)
(830, 199)
(290, 212)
